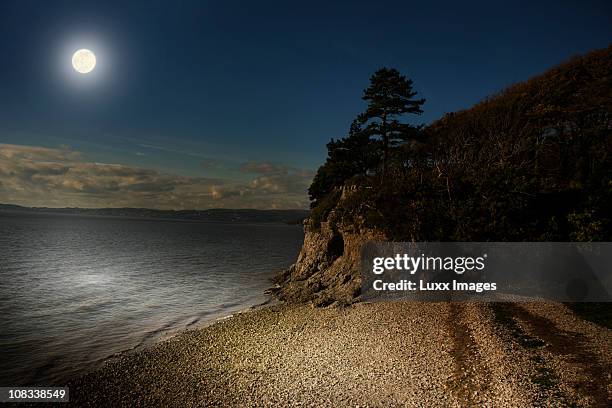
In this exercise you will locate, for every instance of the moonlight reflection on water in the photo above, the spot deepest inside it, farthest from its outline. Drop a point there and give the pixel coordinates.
(75, 290)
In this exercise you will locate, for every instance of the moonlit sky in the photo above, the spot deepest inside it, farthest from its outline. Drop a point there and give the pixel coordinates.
(230, 104)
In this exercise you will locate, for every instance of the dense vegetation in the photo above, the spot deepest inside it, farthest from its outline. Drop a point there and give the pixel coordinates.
(531, 163)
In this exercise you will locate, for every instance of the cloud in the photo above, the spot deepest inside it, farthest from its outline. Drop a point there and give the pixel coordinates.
(276, 179)
(263, 168)
(37, 153)
(281, 183)
(40, 176)
(210, 163)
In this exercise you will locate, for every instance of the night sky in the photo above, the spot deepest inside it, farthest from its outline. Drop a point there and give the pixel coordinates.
(230, 104)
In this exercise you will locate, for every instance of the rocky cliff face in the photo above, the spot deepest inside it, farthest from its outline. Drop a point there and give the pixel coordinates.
(327, 268)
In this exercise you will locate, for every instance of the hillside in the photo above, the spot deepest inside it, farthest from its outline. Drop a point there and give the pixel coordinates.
(531, 163)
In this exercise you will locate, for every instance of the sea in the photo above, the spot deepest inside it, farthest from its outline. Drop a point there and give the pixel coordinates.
(77, 290)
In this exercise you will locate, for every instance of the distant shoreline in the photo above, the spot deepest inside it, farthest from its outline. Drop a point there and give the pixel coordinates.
(210, 215)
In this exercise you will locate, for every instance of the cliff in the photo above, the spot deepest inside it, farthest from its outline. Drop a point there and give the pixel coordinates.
(328, 267)
(531, 163)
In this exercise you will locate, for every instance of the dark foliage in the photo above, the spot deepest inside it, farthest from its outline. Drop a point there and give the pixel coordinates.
(373, 135)
(533, 162)
(389, 97)
(353, 155)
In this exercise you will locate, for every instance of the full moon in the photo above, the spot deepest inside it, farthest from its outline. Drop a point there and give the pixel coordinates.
(84, 61)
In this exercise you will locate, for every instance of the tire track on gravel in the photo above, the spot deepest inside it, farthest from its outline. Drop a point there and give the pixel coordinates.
(541, 336)
(470, 378)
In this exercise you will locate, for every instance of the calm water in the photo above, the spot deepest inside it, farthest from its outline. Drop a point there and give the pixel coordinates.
(75, 290)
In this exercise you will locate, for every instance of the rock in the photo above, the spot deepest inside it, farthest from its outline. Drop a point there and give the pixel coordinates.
(327, 268)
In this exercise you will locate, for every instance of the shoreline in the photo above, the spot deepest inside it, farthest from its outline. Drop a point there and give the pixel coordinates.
(165, 335)
(207, 322)
(376, 354)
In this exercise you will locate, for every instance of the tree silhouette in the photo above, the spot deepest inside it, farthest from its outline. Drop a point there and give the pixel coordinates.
(356, 154)
(372, 135)
(389, 96)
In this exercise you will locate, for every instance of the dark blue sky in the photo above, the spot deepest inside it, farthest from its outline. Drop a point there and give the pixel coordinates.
(198, 88)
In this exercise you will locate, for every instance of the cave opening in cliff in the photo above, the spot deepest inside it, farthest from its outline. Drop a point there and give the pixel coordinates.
(335, 246)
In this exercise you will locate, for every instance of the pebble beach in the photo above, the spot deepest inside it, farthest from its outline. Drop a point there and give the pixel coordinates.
(368, 354)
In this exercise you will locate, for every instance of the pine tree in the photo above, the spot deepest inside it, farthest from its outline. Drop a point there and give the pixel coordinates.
(389, 96)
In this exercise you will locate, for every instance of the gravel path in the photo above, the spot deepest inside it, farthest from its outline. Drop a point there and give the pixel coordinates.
(383, 355)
